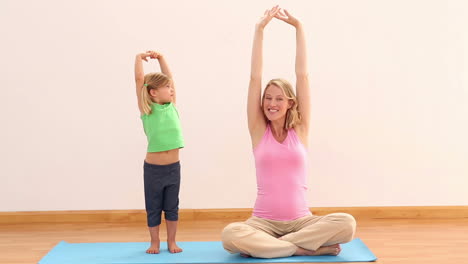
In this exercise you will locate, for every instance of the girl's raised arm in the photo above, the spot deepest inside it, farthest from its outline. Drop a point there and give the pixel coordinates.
(140, 75)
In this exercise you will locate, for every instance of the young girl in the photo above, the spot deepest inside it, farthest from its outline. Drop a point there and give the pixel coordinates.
(156, 98)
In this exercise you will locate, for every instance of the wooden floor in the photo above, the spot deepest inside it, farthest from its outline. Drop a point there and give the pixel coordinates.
(415, 241)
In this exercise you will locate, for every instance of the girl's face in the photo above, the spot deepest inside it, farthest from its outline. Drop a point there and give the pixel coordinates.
(163, 94)
(275, 103)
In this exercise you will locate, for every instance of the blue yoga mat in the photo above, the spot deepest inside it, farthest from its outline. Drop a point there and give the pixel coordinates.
(194, 252)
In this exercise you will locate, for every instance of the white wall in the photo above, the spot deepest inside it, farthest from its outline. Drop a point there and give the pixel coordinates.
(389, 84)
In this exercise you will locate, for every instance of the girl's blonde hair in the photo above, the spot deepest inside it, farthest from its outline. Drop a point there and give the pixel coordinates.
(293, 117)
(152, 81)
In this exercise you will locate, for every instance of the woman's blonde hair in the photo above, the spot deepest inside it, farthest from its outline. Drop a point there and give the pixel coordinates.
(152, 81)
(293, 117)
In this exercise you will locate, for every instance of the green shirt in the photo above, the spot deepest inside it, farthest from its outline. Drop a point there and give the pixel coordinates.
(162, 128)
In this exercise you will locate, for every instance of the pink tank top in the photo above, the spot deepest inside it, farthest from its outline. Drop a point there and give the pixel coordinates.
(281, 178)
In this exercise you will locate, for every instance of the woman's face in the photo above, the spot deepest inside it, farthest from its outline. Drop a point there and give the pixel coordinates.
(275, 103)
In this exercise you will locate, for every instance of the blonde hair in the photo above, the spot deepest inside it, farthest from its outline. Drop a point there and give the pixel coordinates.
(152, 81)
(293, 117)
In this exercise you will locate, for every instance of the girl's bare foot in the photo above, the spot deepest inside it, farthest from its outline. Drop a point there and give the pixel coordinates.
(154, 248)
(244, 255)
(327, 250)
(173, 248)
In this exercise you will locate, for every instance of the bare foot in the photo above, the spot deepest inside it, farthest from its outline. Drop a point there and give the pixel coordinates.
(244, 255)
(154, 248)
(173, 248)
(333, 250)
(327, 250)
(154, 234)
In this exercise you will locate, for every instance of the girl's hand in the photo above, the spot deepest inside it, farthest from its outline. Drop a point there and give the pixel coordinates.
(288, 18)
(154, 54)
(144, 56)
(267, 17)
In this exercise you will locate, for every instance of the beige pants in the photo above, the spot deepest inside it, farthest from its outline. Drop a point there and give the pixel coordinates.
(258, 237)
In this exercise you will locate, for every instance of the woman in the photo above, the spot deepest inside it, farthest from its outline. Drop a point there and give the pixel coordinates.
(282, 224)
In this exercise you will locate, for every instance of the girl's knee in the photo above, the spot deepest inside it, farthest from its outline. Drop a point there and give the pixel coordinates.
(153, 218)
(171, 215)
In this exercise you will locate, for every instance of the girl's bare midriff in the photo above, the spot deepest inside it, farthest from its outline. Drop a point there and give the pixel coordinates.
(163, 157)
